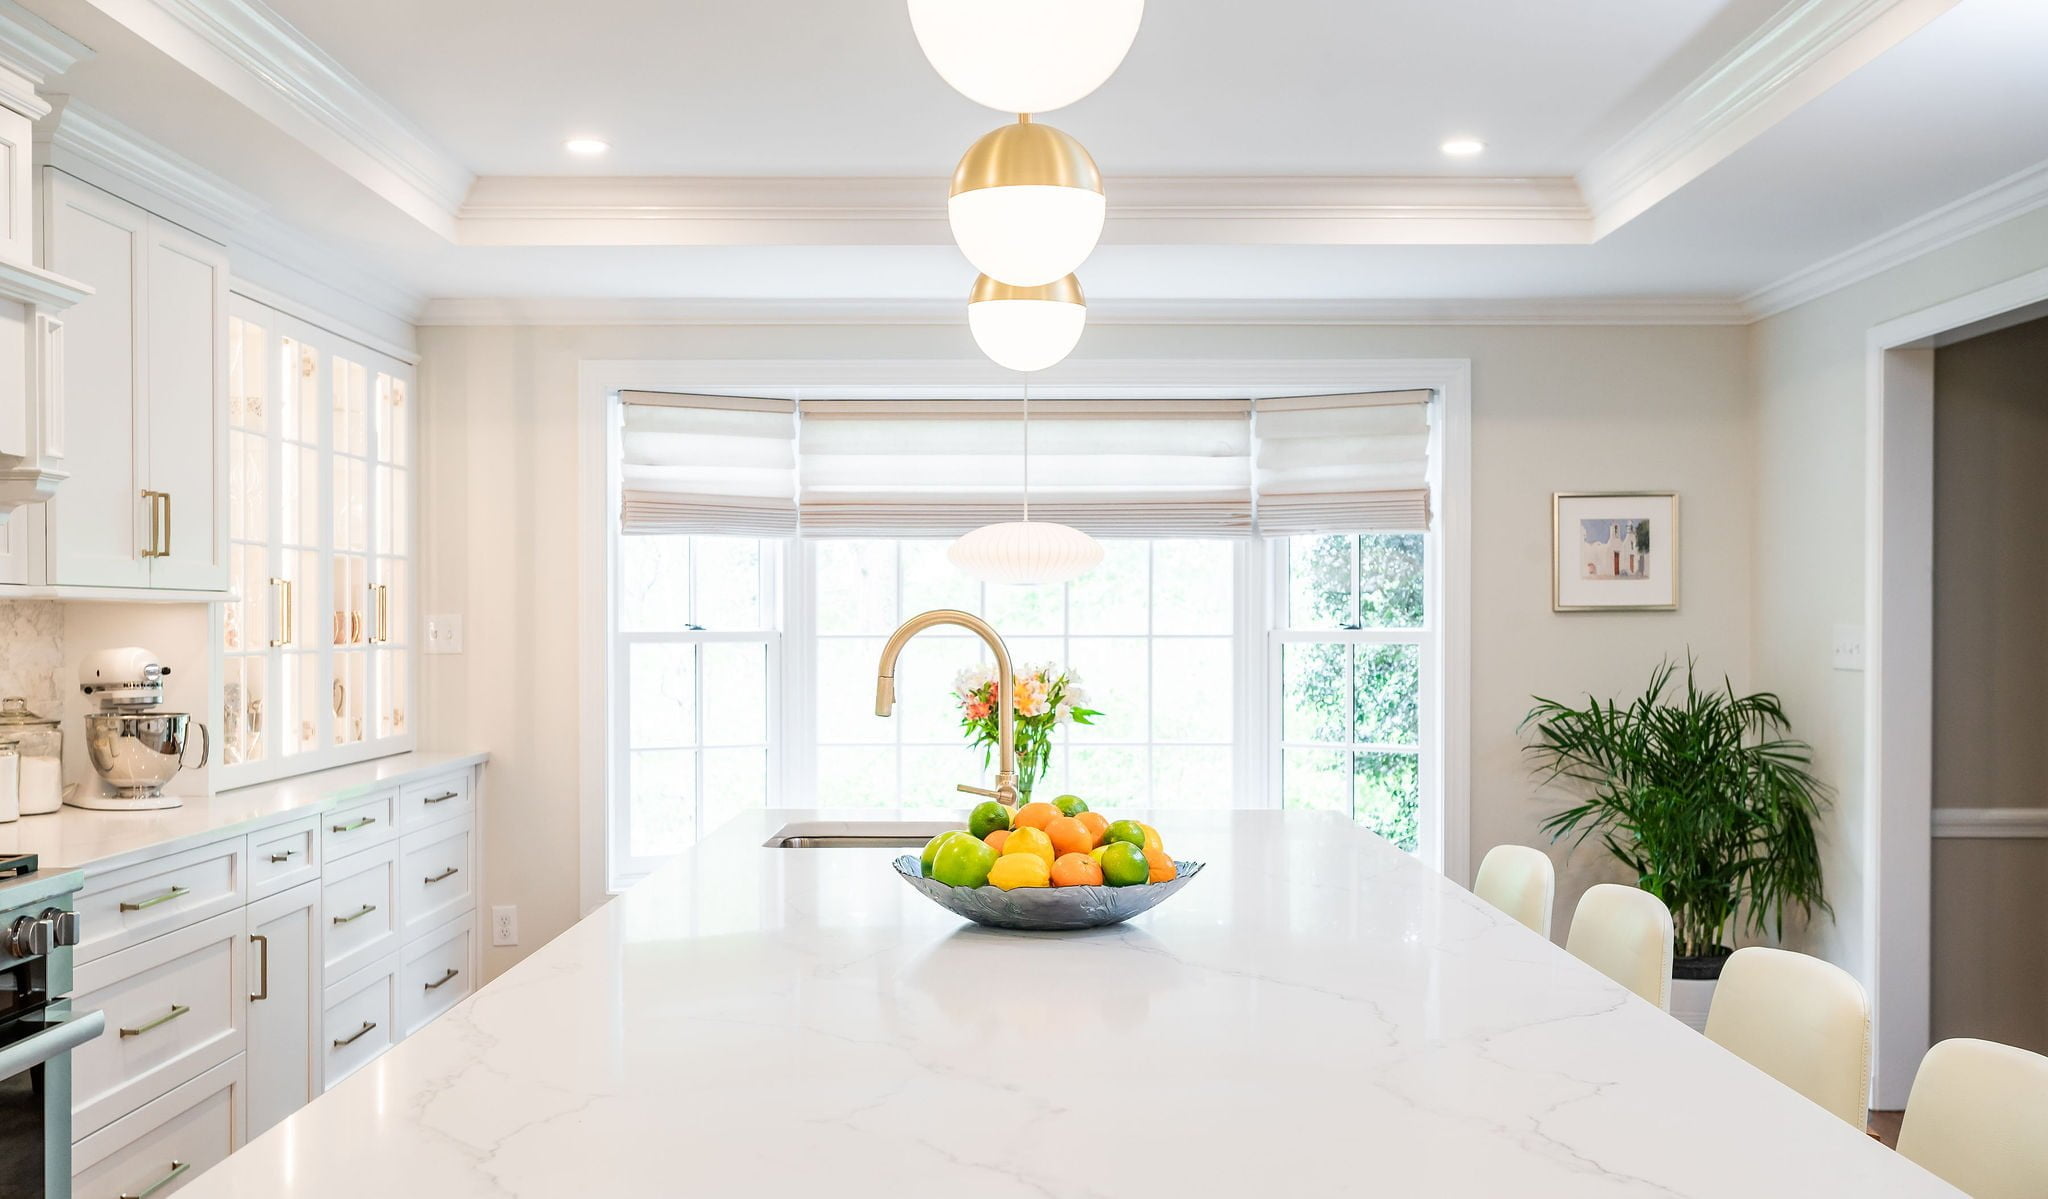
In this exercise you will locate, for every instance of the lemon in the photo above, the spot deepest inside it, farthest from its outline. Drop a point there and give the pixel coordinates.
(1029, 841)
(1124, 865)
(1152, 842)
(1014, 870)
(987, 817)
(1099, 850)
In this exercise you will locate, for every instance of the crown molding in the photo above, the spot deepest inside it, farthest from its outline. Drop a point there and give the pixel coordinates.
(246, 50)
(83, 141)
(2016, 194)
(32, 51)
(1806, 48)
(673, 211)
(646, 312)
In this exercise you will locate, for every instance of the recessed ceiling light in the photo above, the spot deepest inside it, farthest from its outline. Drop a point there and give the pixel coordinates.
(1463, 147)
(586, 146)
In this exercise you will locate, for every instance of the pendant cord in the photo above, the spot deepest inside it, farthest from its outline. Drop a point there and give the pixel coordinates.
(1027, 449)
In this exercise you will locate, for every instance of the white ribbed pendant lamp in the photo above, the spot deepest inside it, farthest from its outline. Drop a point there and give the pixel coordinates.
(1025, 551)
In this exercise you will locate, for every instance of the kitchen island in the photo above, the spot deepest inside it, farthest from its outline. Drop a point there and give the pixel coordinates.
(1317, 1013)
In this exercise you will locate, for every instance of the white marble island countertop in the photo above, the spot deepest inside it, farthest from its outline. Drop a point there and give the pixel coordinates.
(1316, 1014)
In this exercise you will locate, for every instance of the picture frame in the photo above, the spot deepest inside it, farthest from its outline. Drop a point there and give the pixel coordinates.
(1614, 551)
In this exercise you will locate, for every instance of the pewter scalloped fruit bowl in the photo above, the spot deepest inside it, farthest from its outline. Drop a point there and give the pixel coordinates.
(1046, 909)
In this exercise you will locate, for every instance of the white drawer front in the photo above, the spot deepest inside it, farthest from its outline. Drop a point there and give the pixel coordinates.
(283, 857)
(436, 974)
(442, 797)
(359, 825)
(438, 880)
(166, 1143)
(176, 1007)
(361, 1019)
(360, 899)
(129, 906)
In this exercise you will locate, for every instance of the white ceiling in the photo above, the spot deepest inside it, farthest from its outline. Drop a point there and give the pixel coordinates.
(1213, 88)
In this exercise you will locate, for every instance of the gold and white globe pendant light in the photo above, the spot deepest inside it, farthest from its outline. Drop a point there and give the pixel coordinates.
(1026, 328)
(1025, 551)
(1027, 204)
(1025, 55)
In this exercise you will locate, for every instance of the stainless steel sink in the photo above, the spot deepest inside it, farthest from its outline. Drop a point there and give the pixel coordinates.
(857, 834)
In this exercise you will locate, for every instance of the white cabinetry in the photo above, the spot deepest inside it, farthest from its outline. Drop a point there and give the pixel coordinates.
(284, 1004)
(145, 361)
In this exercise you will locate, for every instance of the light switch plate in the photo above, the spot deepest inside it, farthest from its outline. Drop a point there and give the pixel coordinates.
(444, 634)
(1848, 647)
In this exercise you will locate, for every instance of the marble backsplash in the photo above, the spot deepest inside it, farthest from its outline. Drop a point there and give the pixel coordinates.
(32, 653)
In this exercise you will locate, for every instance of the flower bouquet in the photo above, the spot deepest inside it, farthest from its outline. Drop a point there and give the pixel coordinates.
(1045, 698)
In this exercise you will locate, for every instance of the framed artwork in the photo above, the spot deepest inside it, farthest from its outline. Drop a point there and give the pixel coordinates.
(1613, 551)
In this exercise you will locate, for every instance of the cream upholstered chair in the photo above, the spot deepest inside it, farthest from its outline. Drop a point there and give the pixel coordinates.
(1978, 1117)
(1519, 881)
(1800, 1020)
(1625, 934)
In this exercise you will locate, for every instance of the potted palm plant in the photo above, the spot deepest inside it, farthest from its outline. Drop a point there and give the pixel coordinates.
(1700, 793)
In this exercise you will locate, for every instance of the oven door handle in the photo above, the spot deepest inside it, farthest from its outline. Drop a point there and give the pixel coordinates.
(58, 1037)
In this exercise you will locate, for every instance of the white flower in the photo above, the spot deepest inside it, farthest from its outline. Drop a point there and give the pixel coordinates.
(973, 679)
(1077, 696)
(1063, 714)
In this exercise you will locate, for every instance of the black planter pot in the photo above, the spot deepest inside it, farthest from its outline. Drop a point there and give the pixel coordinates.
(1704, 968)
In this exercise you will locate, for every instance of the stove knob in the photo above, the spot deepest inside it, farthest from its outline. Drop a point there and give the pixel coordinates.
(65, 926)
(28, 937)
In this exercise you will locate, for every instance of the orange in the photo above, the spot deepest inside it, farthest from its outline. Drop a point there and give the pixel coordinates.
(1028, 840)
(1096, 823)
(996, 838)
(1069, 836)
(1162, 868)
(1152, 842)
(1034, 815)
(1076, 870)
(1019, 870)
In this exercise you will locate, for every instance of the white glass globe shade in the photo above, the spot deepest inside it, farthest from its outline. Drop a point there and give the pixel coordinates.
(1025, 55)
(1025, 551)
(1027, 235)
(1026, 335)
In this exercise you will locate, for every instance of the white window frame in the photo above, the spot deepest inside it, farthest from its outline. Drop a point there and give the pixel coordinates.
(1447, 598)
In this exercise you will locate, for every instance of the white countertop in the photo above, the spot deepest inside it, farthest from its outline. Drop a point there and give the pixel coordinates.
(1316, 1014)
(74, 838)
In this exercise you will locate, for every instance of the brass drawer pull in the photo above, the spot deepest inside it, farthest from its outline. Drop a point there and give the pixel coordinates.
(443, 797)
(283, 855)
(353, 825)
(263, 970)
(355, 1036)
(177, 1010)
(289, 624)
(365, 910)
(155, 548)
(174, 893)
(177, 1168)
(443, 981)
(448, 873)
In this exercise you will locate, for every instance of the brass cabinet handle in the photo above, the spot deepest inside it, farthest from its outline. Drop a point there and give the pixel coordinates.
(361, 912)
(355, 1036)
(353, 825)
(380, 605)
(174, 893)
(283, 855)
(262, 969)
(153, 550)
(448, 873)
(442, 981)
(443, 797)
(177, 1010)
(177, 1168)
(289, 624)
(167, 524)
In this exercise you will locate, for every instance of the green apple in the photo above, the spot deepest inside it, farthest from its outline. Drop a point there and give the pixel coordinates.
(931, 850)
(987, 817)
(964, 862)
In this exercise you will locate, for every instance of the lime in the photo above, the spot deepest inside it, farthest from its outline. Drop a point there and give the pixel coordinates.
(1124, 865)
(987, 817)
(1128, 831)
(1070, 805)
(964, 862)
(931, 850)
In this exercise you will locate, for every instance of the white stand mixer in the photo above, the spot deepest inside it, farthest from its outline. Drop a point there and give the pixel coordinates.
(134, 749)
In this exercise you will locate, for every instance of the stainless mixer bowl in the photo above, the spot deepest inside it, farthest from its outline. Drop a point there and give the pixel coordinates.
(138, 752)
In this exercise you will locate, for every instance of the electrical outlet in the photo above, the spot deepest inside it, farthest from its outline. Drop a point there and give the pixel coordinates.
(1848, 647)
(444, 634)
(505, 924)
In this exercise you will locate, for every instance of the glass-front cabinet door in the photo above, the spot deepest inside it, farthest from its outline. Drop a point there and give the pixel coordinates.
(316, 642)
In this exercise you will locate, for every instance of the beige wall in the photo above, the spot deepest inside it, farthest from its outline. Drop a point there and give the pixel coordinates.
(1553, 409)
(1991, 681)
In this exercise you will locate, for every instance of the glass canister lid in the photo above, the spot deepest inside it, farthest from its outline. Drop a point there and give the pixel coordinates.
(14, 714)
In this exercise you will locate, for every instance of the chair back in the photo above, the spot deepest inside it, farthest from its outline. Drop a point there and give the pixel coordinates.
(1519, 881)
(1625, 933)
(1800, 1020)
(1978, 1117)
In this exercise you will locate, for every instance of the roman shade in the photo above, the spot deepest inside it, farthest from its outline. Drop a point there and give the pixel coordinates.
(1342, 463)
(1113, 468)
(708, 464)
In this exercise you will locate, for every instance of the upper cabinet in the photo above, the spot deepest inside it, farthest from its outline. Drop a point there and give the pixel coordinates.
(145, 370)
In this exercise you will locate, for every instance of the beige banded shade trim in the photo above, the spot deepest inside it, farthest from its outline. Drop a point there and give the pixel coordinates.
(708, 464)
(1343, 463)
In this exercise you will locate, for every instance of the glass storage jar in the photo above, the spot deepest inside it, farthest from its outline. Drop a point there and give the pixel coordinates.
(40, 743)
